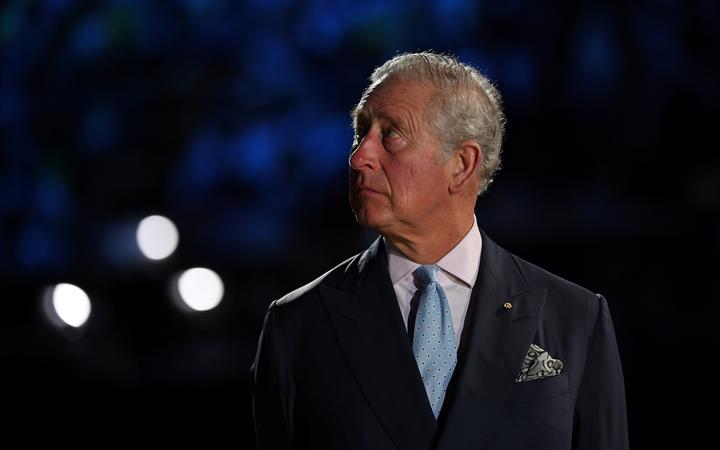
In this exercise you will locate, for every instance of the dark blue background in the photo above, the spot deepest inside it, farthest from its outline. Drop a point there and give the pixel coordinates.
(231, 118)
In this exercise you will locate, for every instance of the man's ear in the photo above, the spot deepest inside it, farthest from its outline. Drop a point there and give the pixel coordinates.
(463, 165)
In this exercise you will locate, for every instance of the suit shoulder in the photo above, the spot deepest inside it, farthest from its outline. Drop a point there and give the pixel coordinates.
(332, 277)
(571, 304)
(560, 287)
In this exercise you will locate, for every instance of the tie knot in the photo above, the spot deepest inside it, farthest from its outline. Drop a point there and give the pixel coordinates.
(427, 274)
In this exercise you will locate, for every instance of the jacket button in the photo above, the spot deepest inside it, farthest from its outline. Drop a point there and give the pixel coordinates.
(507, 305)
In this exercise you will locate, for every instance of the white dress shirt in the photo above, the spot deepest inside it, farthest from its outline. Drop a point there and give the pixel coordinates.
(459, 269)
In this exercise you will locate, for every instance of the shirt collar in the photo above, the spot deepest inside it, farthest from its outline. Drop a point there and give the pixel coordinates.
(461, 262)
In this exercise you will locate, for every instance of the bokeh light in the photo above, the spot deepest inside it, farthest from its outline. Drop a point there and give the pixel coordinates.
(157, 237)
(71, 304)
(200, 288)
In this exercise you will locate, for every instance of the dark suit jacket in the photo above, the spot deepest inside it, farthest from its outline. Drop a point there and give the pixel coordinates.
(335, 369)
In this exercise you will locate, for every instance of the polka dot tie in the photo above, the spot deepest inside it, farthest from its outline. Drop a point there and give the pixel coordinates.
(434, 342)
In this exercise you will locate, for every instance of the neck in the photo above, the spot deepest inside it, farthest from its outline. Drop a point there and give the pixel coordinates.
(429, 246)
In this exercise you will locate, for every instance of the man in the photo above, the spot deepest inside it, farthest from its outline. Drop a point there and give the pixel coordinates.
(435, 337)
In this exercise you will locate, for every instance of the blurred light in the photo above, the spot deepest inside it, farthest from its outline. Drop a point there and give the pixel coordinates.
(201, 289)
(71, 304)
(253, 155)
(157, 237)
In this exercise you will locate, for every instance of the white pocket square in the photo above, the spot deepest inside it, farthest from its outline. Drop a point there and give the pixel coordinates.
(538, 364)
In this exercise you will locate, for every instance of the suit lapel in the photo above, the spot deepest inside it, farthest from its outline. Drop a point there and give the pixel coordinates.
(494, 342)
(369, 328)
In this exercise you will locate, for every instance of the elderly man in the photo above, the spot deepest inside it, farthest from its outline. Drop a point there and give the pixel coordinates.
(435, 337)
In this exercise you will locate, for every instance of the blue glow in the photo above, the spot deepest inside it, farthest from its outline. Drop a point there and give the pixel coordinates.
(596, 57)
(363, 13)
(273, 64)
(325, 146)
(199, 167)
(57, 6)
(38, 247)
(454, 16)
(199, 6)
(89, 38)
(51, 198)
(271, 5)
(254, 155)
(252, 231)
(321, 29)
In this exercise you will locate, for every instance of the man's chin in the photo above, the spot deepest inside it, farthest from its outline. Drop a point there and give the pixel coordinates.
(371, 219)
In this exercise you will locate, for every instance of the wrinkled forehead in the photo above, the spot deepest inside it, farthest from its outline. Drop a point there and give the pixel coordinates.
(389, 93)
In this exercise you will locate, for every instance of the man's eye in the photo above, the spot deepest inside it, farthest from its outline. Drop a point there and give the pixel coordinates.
(390, 133)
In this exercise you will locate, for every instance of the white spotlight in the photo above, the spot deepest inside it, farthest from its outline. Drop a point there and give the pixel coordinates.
(71, 304)
(201, 289)
(157, 237)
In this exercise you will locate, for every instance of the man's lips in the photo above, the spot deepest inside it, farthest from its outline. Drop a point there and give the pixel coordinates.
(366, 190)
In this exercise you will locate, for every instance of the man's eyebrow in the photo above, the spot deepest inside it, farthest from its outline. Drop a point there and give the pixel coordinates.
(363, 115)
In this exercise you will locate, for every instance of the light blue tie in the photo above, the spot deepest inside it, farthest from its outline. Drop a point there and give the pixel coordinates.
(434, 342)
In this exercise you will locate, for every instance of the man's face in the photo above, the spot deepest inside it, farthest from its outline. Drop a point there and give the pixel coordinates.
(397, 185)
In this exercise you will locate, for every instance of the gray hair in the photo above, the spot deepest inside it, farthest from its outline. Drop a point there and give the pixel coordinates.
(465, 106)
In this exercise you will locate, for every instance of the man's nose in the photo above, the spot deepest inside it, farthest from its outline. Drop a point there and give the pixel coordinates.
(365, 155)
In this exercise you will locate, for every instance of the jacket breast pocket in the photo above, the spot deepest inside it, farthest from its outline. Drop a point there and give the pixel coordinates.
(542, 389)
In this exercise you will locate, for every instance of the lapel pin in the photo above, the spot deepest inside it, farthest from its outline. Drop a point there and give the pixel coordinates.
(507, 305)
